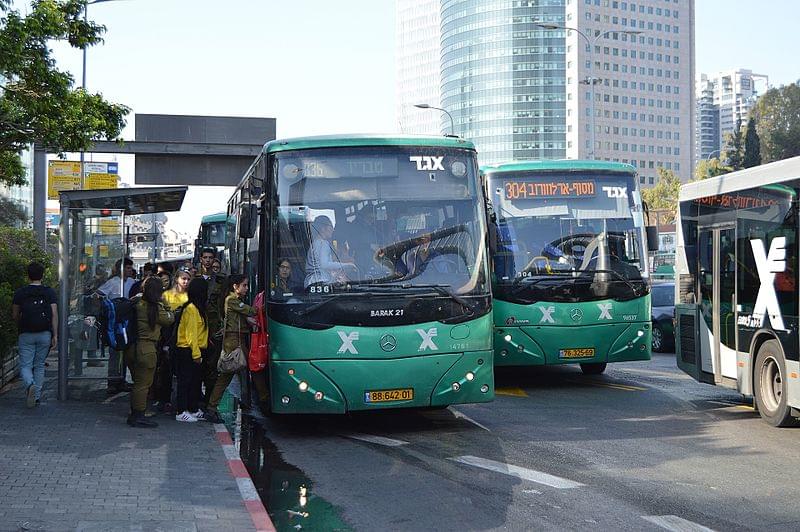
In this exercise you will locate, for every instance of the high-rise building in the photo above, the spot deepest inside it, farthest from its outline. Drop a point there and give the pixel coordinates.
(418, 65)
(523, 91)
(706, 131)
(23, 195)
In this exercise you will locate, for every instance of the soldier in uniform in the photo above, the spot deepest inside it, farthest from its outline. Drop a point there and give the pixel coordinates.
(238, 317)
(214, 312)
(141, 357)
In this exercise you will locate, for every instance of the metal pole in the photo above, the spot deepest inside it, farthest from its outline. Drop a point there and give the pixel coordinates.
(83, 84)
(40, 194)
(592, 136)
(63, 299)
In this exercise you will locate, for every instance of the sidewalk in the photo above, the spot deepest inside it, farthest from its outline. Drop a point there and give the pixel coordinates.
(78, 466)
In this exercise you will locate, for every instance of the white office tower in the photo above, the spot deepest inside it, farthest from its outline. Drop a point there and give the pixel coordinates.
(417, 63)
(706, 131)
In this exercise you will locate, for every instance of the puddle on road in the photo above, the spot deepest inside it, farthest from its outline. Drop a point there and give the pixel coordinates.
(287, 493)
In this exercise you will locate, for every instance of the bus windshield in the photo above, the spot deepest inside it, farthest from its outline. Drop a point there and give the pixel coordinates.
(377, 221)
(213, 234)
(568, 237)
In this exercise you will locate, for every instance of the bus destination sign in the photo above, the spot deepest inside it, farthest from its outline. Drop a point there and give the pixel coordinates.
(518, 189)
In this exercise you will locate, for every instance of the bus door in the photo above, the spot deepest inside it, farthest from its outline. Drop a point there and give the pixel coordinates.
(717, 302)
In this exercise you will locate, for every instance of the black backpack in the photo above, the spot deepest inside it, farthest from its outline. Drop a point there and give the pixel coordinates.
(171, 338)
(35, 312)
(120, 328)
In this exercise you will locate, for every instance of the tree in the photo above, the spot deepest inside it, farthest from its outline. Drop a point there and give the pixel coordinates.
(778, 114)
(37, 101)
(664, 195)
(734, 147)
(11, 214)
(710, 168)
(752, 144)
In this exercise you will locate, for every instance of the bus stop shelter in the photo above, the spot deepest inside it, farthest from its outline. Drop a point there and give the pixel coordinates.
(92, 240)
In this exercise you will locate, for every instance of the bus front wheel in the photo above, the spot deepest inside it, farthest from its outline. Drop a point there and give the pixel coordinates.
(593, 369)
(770, 386)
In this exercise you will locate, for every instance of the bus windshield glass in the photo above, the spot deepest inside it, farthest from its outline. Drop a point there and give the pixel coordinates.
(214, 234)
(376, 220)
(568, 237)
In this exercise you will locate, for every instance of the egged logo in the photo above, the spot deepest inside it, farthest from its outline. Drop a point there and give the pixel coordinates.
(767, 300)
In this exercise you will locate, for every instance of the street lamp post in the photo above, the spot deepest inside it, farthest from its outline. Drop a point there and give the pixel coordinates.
(445, 111)
(590, 80)
(83, 72)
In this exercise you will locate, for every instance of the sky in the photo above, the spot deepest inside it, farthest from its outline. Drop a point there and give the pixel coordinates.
(320, 66)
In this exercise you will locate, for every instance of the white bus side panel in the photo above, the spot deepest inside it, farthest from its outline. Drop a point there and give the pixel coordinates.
(727, 355)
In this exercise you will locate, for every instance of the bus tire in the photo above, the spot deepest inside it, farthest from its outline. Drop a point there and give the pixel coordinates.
(658, 339)
(595, 368)
(770, 385)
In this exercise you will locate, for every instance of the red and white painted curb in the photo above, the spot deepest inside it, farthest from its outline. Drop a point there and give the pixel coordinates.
(247, 489)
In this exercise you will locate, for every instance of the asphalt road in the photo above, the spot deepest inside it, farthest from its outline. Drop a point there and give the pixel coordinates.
(642, 447)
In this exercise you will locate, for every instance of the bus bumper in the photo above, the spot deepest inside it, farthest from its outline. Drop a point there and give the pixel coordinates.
(612, 342)
(339, 386)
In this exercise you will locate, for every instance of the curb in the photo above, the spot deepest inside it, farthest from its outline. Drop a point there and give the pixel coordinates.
(247, 489)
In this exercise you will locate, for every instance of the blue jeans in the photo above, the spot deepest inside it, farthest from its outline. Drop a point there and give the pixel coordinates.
(33, 350)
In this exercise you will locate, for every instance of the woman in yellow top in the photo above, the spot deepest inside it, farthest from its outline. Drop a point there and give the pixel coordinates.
(236, 333)
(151, 315)
(178, 295)
(191, 343)
(174, 298)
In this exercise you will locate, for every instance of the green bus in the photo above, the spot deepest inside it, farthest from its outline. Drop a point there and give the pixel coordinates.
(212, 234)
(570, 275)
(372, 254)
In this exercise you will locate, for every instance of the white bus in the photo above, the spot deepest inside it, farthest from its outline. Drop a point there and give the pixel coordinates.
(736, 285)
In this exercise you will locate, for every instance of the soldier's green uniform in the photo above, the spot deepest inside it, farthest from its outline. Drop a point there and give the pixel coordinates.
(143, 355)
(236, 332)
(214, 314)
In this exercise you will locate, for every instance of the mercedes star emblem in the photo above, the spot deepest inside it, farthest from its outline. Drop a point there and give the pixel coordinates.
(576, 314)
(388, 342)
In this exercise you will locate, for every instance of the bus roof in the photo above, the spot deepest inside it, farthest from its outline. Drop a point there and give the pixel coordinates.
(340, 141)
(214, 218)
(570, 165)
(758, 176)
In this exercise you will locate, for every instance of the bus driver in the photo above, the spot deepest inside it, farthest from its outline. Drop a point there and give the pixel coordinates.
(321, 268)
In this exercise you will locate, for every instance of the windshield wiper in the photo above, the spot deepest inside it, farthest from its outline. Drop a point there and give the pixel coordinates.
(618, 276)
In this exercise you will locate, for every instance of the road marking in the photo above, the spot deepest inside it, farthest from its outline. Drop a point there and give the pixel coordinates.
(675, 523)
(676, 375)
(746, 407)
(379, 440)
(511, 391)
(465, 417)
(519, 472)
(115, 397)
(612, 385)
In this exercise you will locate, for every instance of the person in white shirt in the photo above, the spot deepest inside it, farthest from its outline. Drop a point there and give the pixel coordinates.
(321, 268)
(112, 287)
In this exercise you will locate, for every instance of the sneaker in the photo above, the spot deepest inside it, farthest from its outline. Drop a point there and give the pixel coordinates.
(186, 417)
(212, 417)
(199, 414)
(30, 397)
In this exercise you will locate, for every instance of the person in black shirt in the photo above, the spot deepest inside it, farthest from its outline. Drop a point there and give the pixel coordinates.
(35, 311)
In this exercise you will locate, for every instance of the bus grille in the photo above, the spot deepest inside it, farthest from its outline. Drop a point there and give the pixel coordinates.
(686, 330)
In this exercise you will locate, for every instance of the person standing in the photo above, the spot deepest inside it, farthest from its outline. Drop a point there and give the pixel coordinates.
(114, 287)
(35, 311)
(236, 330)
(174, 298)
(141, 357)
(214, 302)
(148, 270)
(191, 345)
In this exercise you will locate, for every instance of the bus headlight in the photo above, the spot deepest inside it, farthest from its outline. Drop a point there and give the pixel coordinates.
(319, 396)
(507, 338)
(303, 386)
(456, 386)
(285, 399)
(469, 376)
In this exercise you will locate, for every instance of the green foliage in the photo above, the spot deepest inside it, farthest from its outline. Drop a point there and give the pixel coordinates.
(18, 248)
(778, 115)
(664, 195)
(710, 168)
(37, 101)
(752, 144)
(11, 213)
(734, 148)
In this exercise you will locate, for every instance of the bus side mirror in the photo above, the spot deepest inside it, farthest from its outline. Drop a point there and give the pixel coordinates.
(248, 218)
(652, 238)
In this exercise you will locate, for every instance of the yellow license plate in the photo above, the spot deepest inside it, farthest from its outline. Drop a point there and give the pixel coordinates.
(384, 396)
(581, 352)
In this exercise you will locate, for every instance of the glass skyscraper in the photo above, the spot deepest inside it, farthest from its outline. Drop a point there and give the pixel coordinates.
(503, 78)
